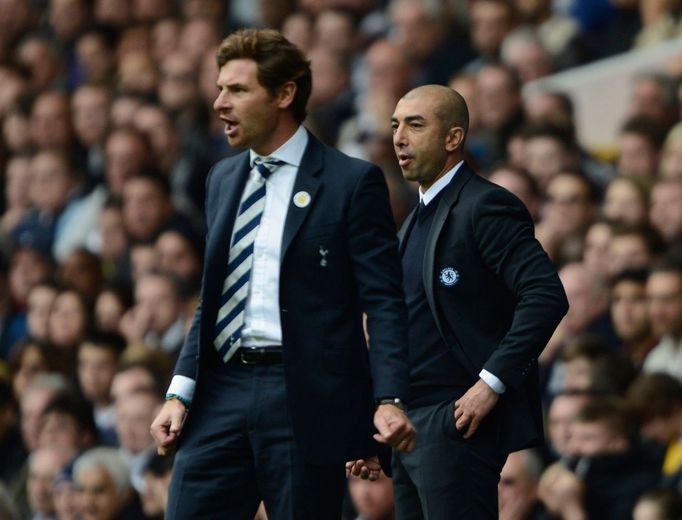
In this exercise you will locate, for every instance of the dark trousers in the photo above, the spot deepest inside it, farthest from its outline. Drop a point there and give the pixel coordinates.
(237, 449)
(447, 477)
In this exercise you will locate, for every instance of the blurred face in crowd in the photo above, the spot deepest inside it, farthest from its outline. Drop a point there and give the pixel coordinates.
(28, 268)
(528, 57)
(178, 86)
(544, 158)
(145, 208)
(17, 183)
(165, 38)
(664, 294)
(197, 37)
(666, 209)
(64, 498)
(134, 414)
(583, 289)
(497, 99)
(155, 495)
(40, 301)
(51, 181)
(578, 374)
(90, 114)
(16, 132)
(628, 251)
(372, 500)
(594, 438)
(109, 310)
(671, 156)
(518, 185)
(43, 65)
(629, 310)
(251, 114)
(156, 298)
(143, 259)
(330, 77)
(334, 31)
(490, 23)
(61, 431)
(32, 363)
(417, 33)
(388, 71)
(32, 404)
(177, 255)
(68, 320)
(648, 99)
(51, 120)
(137, 73)
(160, 130)
(113, 233)
(96, 494)
(596, 254)
(129, 381)
(68, 18)
(81, 270)
(44, 464)
(569, 208)
(636, 156)
(516, 485)
(126, 155)
(562, 413)
(96, 369)
(95, 58)
(116, 13)
(298, 29)
(624, 202)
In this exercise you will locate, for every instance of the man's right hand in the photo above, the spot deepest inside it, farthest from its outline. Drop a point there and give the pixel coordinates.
(395, 429)
(166, 427)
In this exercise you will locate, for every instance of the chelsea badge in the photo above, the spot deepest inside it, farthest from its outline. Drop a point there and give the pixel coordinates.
(449, 276)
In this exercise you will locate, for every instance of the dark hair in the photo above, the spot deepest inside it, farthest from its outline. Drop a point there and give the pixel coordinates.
(77, 408)
(614, 413)
(279, 61)
(655, 395)
(160, 465)
(650, 235)
(630, 275)
(651, 129)
(106, 340)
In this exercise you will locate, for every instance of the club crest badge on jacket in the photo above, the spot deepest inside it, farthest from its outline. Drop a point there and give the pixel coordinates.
(449, 276)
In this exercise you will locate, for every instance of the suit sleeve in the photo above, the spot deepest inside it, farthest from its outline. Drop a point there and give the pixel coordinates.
(376, 265)
(506, 242)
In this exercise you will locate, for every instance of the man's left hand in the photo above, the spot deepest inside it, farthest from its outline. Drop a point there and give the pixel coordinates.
(366, 469)
(473, 406)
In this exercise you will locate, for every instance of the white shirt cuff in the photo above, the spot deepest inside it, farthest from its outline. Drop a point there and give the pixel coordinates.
(182, 386)
(491, 380)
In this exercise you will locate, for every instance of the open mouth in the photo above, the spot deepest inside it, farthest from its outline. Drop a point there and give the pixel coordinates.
(231, 126)
(404, 159)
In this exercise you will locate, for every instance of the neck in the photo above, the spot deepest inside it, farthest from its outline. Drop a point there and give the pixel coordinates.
(449, 164)
(286, 128)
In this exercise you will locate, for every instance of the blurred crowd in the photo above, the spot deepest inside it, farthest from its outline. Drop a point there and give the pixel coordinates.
(107, 135)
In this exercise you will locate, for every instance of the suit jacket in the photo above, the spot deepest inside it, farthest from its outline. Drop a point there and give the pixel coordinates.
(494, 294)
(332, 379)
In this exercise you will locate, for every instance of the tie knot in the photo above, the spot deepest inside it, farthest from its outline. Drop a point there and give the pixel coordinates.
(266, 166)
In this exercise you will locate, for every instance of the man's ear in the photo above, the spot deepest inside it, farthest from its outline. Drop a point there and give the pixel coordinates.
(454, 138)
(285, 94)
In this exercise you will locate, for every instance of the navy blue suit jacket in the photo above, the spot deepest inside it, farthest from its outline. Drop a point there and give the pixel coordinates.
(332, 379)
(494, 294)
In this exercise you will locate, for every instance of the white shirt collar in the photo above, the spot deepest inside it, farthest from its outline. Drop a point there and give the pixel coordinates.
(430, 194)
(290, 152)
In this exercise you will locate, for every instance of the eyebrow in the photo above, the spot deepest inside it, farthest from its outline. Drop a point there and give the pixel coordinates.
(409, 119)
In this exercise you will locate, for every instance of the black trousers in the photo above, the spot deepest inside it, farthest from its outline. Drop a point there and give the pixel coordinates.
(237, 448)
(447, 477)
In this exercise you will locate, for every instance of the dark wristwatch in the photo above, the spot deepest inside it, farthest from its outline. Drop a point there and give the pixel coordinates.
(395, 401)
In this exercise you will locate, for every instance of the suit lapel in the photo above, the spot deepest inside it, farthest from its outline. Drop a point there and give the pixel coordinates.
(405, 229)
(306, 181)
(448, 200)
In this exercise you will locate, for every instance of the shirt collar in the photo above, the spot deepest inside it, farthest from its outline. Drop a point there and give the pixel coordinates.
(290, 152)
(438, 186)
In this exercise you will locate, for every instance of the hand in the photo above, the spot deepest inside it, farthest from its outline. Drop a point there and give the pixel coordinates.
(167, 426)
(561, 491)
(395, 428)
(473, 406)
(366, 469)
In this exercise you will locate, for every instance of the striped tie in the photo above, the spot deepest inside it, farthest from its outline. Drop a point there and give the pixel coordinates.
(230, 321)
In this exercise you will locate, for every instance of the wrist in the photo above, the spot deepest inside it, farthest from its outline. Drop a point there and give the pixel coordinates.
(395, 401)
(185, 402)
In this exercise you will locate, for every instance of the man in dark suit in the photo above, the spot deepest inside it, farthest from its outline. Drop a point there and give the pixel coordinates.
(483, 299)
(275, 368)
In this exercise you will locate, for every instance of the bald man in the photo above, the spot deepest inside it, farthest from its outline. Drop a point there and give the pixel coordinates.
(483, 300)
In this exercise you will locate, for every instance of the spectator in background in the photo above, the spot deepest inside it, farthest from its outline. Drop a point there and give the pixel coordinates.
(147, 206)
(658, 504)
(95, 55)
(524, 51)
(633, 247)
(90, 106)
(43, 466)
(596, 257)
(28, 360)
(610, 470)
(628, 309)
(657, 400)
(639, 147)
(491, 22)
(110, 241)
(665, 211)
(664, 295)
(157, 475)
(521, 184)
(561, 413)
(671, 154)
(103, 489)
(137, 376)
(68, 425)
(626, 200)
(40, 300)
(69, 321)
(43, 61)
(547, 150)
(179, 254)
(112, 302)
(518, 487)
(81, 270)
(98, 357)
(372, 500)
(17, 192)
(653, 95)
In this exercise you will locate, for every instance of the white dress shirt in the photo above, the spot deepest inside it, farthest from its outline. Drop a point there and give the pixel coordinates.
(426, 197)
(262, 325)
